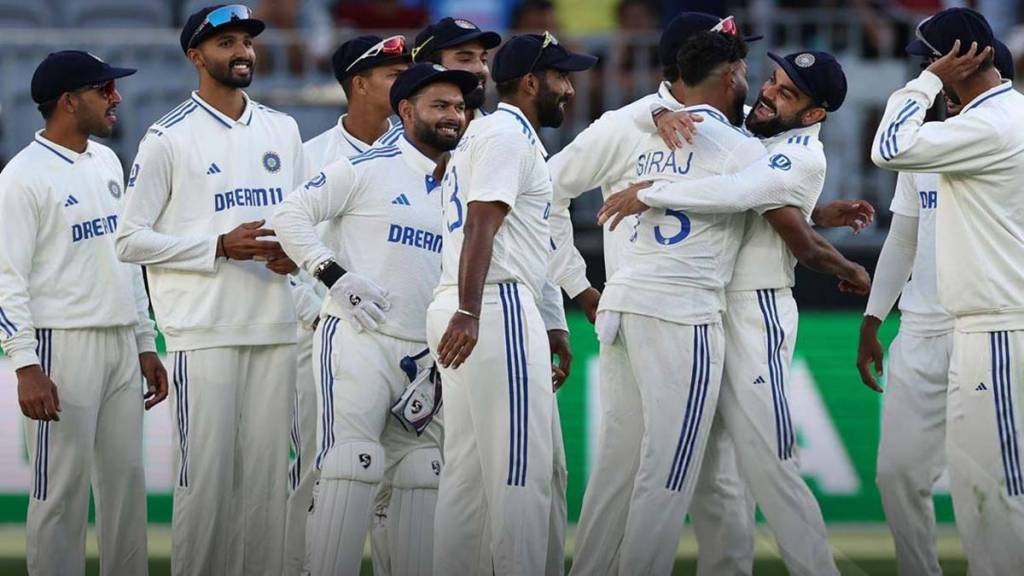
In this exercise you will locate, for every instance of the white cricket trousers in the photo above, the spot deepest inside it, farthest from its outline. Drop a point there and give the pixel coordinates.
(912, 453)
(97, 442)
(983, 438)
(760, 334)
(674, 370)
(232, 411)
(499, 409)
(301, 472)
(721, 512)
(360, 444)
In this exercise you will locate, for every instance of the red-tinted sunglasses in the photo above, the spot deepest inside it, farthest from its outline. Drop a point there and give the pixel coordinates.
(106, 89)
(392, 46)
(727, 26)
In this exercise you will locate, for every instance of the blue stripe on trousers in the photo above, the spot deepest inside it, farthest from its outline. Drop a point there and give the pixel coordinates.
(515, 368)
(775, 337)
(1005, 421)
(44, 349)
(330, 326)
(699, 378)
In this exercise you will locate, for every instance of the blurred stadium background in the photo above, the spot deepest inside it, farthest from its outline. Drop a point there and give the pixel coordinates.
(836, 417)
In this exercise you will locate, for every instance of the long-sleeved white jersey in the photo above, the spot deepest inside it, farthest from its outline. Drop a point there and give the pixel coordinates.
(500, 158)
(979, 156)
(792, 173)
(332, 144)
(677, 263)
(601, 156)
(383, 218)
(58, 267)
(199, 174)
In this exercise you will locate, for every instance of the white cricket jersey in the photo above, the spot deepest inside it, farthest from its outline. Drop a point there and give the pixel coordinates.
(764, 261)
(199, 174)
(332, 144)
(58, 267)
(500, 158)
(979, 157)
(382, 211)
(677, 264)
(601, 156)
(917, 196)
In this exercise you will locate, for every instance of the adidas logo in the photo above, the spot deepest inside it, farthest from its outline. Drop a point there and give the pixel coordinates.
(981, 387)
(759, 380)
(213, 169)
(401, 200)
(71, 201)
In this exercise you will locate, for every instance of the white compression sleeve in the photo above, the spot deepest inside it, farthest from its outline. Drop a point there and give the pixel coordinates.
(894, 266)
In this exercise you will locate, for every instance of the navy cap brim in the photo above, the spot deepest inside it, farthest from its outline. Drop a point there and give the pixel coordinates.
(465, 81)
(793, 73)
(114, 73)
(488, 39)
(573, 63)
(375, 61)
(918, 48)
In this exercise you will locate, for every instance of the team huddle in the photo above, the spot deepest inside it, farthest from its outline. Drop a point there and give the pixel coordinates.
(384, 303)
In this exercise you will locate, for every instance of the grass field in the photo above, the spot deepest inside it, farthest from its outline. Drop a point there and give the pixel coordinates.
(860, 550)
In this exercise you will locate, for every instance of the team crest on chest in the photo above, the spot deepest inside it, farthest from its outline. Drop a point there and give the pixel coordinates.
(272, 162)
(115, 189)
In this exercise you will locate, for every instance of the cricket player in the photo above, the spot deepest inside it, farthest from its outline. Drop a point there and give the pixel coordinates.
(495, 496)
(911, 454)
(365, 67)
(74, 322)
(206, 177)
(604, 156)
(387, 196)
(761, 315)
(978, 157)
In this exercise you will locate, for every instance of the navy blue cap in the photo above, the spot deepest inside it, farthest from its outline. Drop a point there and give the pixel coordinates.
(351, 57)
(528, 52)
(204, 22)
(681, 28)
(448, 32)
(816, 74)
(936, 34)
(419, 76)
(1004, 60)
(69, 70)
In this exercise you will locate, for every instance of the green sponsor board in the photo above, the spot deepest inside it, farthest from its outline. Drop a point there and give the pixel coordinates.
(836, 419)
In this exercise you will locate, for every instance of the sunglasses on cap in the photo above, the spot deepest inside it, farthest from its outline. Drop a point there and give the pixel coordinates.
(549, 39)
(392, 46)
(727, 26)
(220, 17)
(920, 36)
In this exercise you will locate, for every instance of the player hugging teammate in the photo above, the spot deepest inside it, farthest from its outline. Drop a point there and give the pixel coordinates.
(415, 252)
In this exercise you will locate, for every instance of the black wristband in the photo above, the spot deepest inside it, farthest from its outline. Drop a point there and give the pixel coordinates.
(331, 274)
(220, 244)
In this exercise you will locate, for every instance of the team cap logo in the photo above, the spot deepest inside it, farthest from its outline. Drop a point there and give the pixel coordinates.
(272, 162)
(804, 60)
(440, 68)
(463, 23)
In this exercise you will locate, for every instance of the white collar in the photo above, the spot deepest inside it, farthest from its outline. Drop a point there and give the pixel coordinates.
(227, 121)
(413, 157)
(525, 124)
(66, 154)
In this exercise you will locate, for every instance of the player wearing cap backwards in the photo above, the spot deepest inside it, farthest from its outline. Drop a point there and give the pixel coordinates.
(942, 340)
(761, 317)
(75, 323)
(495, 491)
(365, 67)
(206, 177)
(604, 156)
(385, 197)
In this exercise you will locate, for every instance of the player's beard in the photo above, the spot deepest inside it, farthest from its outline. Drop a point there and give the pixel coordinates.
(775, 125)
(475, 99)
(96, 123)
(226, 76)
(550, 112)
(435, 136)
(737, 109)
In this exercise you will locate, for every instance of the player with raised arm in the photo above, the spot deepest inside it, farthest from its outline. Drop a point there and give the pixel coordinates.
(365, 67)
(911, 454)
(388, 196)
(206, 177)
(495, 491)
(782, 187)
(74, 322)
(978, 208)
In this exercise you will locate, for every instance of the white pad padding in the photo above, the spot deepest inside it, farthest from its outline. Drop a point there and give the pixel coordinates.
(359, 461)
(411, 516)
(418, 469)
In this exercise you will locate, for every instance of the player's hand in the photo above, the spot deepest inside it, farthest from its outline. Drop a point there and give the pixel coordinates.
(623, 203)
(588, 300)
(856, 280)
(857, 214)
(869, 352)
(156, 378)
(672, 125)
(281, 264)
(243, 243)
(458, 341)
(362, 301)
(558, 340)
(952, 68)
(37, 394)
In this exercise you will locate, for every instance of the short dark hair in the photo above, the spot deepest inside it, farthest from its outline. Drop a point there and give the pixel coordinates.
(508, 87)
(47, 108)
(670, 72)
(705, 51)
(346, 82)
